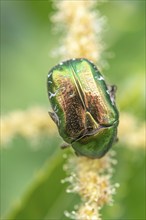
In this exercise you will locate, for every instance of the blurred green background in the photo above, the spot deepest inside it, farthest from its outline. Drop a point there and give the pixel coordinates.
(30, 176)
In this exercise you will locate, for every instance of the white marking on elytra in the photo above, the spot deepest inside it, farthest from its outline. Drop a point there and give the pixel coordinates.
(73, 58)
(50, 74)
(56, 109)
(107, 91)
(63, 89)
(50, 82)
(61, 63)
(100, 78)
(52, 94)
(72, 95)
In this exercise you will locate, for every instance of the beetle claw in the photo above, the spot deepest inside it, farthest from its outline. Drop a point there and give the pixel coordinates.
(64, 146)
(112, 90)
(77, 154)
(116, 139)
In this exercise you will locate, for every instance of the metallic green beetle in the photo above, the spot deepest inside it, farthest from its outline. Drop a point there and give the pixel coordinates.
(83, 107)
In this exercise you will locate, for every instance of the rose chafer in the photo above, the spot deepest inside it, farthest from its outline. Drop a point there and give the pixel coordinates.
(83, 107)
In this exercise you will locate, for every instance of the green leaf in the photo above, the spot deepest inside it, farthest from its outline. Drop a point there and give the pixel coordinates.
(46, 196)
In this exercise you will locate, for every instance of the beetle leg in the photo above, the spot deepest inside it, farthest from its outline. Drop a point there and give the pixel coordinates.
(116, 140)
(112, 92)
(54, 117)
(65, 145)
(77, 154)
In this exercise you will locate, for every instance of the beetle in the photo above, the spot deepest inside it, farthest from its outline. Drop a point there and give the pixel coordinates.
(83, 107)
